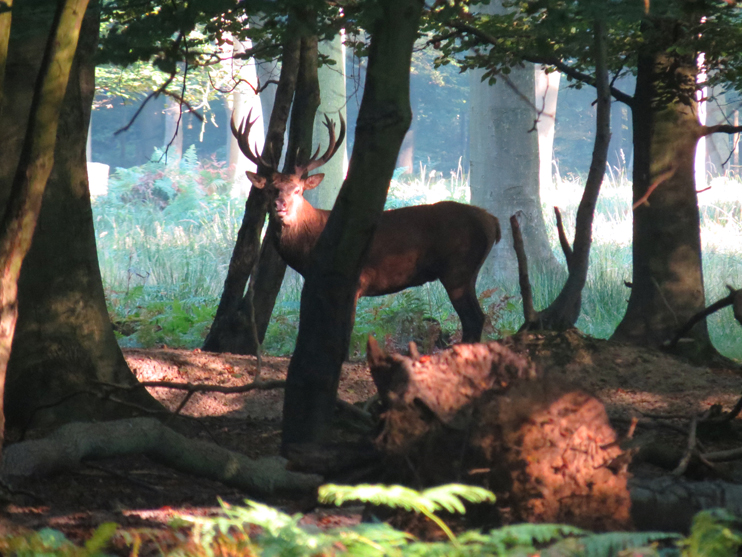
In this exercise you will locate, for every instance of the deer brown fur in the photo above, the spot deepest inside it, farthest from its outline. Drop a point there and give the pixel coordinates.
(446, 241)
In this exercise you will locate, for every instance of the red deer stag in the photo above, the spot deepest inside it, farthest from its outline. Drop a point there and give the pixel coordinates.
(447, 241)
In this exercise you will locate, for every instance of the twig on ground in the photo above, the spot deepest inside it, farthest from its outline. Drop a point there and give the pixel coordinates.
(689, 451)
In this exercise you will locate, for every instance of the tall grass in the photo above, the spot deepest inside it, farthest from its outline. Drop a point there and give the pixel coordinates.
(166, 233)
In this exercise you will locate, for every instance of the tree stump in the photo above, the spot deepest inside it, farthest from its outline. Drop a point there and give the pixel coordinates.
(480, 413)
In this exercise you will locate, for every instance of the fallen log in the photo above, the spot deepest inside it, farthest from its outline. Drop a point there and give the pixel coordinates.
(482, 414)
(68, 446)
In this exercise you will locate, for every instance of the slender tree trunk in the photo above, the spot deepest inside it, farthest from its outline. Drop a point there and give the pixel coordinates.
(667, 275)
(564, 311)
(228, 331)
(333, 101)
(64, 344)
(265, 284)
(172, 140)
(547, 93)
(329, 294)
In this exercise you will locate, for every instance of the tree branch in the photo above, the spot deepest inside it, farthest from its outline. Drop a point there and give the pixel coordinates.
(719, 128)
(529, 312)
(563, 67)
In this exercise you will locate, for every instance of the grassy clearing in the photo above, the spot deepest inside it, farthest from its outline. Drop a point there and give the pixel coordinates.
(165, 236)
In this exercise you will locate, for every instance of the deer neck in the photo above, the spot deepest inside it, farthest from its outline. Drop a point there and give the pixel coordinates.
(296, 240)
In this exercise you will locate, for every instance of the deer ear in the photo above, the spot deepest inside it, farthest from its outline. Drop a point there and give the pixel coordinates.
(255, 180)
(313, 181)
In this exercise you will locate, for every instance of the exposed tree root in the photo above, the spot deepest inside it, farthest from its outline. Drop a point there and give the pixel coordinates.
(484, 413)
(72, 443)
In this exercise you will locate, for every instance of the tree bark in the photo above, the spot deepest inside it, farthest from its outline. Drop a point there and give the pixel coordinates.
(667, 274)
(231, 325)
(504, 174)
(64, 343)
(329, 294)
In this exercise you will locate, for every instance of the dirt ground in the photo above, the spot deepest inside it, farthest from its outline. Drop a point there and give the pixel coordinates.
(135, 492)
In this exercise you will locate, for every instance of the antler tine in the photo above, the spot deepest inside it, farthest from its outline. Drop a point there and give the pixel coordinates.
(332, 148)
(242, 134)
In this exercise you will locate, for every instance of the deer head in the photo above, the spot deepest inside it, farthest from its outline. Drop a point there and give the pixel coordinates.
(285, 191)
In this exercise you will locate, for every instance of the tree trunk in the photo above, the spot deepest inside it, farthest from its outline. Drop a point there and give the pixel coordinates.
(230, 325)
(329, 295)
(266, 283)
(547, 93)
(172, 141)
(64, 343)
(564, 311)
(504, 174)
(667, 275)
(332, 88)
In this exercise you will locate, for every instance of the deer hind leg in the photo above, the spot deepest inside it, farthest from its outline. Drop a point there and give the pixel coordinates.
(466, 304)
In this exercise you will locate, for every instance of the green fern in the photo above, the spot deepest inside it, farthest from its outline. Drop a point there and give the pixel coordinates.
(445, 497)
(714, 533)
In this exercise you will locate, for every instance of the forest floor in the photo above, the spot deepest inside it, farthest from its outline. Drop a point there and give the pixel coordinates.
(137, 493)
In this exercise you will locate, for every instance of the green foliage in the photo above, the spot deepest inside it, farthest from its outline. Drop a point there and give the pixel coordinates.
(48, 542)
(714, 533)
(257, 529)
(165, 234)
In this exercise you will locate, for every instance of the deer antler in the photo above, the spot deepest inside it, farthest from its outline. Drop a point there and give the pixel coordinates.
(241, 134)
(332, 148)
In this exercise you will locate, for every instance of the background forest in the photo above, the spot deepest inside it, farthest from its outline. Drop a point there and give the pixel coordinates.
(167, 224)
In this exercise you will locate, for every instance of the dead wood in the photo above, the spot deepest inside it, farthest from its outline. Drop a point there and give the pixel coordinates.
(734, 299)
(669, 503)
(481, 413)
(67, 447)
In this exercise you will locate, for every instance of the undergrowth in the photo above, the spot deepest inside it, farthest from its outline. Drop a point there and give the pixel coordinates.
(257, 529)
(166, 233)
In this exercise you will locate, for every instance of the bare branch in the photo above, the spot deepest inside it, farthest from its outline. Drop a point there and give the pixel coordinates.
(529, 312)
(664, 176)
(563, 241)
(719, 128)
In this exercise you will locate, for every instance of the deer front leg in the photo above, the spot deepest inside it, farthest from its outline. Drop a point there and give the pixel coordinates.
(466, 304)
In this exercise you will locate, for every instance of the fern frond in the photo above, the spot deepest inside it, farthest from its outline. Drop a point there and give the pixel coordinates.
(714, 532)
(395, 496)
(445, 497)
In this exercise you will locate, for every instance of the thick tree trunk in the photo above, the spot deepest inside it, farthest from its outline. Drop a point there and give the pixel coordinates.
(328, 298)
(64, 344)
(504, 160)
(231, 325)
(667, 275)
